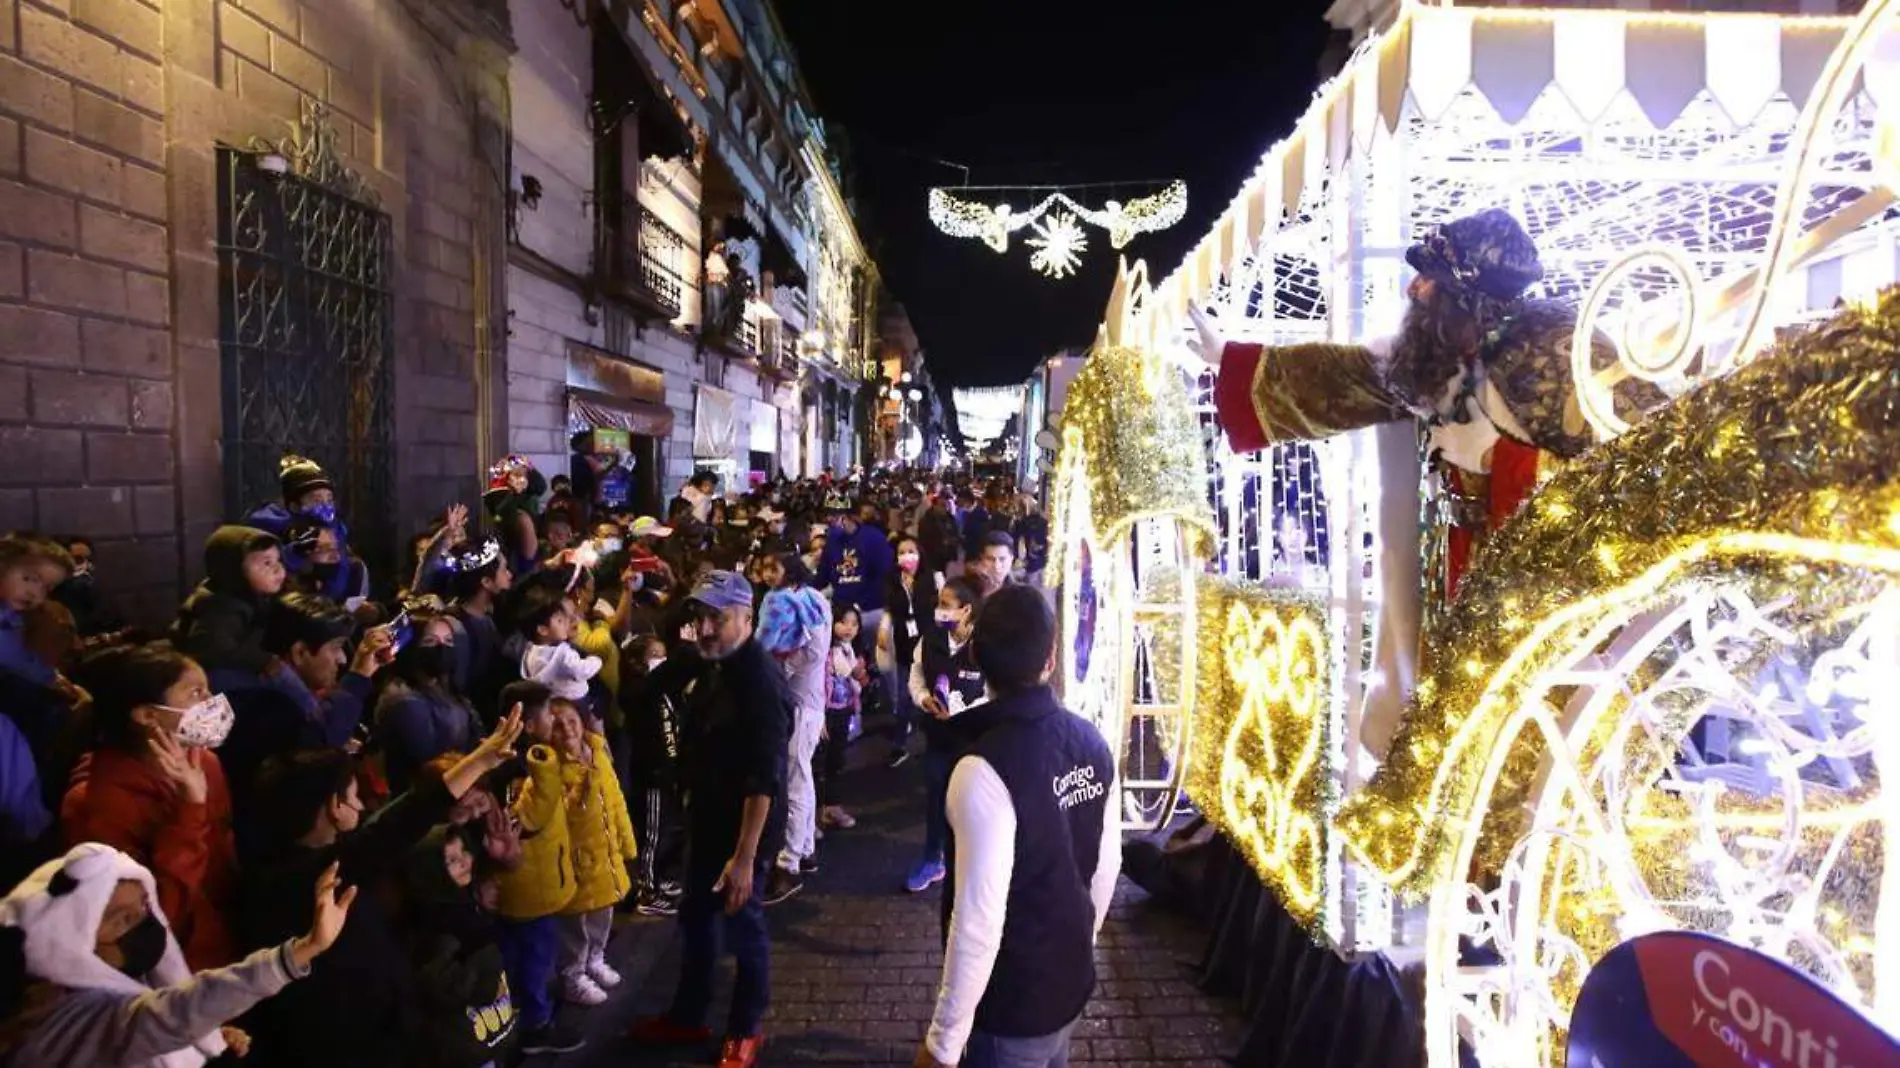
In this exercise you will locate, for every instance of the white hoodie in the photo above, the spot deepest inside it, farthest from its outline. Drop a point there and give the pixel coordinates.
(105, 1009)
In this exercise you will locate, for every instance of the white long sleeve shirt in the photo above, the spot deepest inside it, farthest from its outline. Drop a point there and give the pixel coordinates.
(984, 819)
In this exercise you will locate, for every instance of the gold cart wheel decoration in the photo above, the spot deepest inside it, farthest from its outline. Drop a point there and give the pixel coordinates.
(1127, 644)
(1708, 760)
(1652, 705)
(1131, 533)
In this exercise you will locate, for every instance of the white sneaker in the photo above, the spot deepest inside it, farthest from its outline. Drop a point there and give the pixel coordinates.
(602, 973)
(581, 989)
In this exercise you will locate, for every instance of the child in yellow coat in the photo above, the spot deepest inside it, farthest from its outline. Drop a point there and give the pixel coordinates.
(602, 839)
(532, 896)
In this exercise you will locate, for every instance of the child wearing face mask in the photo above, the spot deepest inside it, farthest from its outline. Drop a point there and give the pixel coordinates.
(105, 982)
(910, 599)
(603, 843)
(944, 681)
(152, 787)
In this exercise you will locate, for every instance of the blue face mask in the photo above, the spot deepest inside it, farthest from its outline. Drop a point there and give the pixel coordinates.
(323, 510)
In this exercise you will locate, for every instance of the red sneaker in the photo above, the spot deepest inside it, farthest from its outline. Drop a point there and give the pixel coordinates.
(662, 1031)
(741, 1052)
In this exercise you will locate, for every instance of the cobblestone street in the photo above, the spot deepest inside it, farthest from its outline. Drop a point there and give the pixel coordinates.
(855, 961)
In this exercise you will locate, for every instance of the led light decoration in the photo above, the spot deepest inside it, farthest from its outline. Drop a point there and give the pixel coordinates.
(1059, 244)
(1130, 534)
(993, 225)
(983, 413)
(1262, 755)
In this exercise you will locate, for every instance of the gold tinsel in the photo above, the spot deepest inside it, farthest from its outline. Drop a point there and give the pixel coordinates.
(1803, 444)
(1249, 795)
(1141, 451)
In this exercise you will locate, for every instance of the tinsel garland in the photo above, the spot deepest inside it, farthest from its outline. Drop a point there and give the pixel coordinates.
(1742, 477)
(1260, 763)
(1141, 452)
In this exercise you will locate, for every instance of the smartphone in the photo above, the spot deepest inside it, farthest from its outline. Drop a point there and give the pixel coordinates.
(644, 564)
(401, 631)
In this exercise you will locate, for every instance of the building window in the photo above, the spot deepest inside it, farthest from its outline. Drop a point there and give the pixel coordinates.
(306, 337)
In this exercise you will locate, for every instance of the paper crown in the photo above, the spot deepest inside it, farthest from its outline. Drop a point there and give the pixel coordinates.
(475, 555)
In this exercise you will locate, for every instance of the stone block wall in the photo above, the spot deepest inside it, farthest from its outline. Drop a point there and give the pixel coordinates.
(111, 113)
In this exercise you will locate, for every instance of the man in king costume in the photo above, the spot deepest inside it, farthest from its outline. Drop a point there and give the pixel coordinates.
(1484, 368)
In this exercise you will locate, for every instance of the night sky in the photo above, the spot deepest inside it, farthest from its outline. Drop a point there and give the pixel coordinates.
(1042, 92)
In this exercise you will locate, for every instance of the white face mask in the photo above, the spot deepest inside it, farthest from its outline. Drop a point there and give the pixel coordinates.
(947, 619)
(609, 546)
(205, 724)
(653, 663)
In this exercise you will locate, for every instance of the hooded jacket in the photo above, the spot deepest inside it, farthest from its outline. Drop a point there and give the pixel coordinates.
(598, 828)
(543, 884)
(221, 625)
(98, 1014)
(120, 799)
(462, 1013)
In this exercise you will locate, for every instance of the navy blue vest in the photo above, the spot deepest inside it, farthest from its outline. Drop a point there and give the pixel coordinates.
(1061, 779)
(957, 681)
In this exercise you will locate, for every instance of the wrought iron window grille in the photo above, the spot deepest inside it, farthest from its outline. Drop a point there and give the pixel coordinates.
(306, 307)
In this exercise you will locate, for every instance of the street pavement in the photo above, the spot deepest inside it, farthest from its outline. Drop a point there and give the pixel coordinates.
(855, 961)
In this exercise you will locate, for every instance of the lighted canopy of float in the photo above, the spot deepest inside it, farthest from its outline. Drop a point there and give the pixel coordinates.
(1655, 703)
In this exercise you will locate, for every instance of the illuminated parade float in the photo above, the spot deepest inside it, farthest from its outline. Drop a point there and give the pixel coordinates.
(1610, 648)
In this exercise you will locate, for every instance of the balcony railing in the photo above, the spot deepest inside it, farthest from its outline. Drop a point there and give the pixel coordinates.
(792, 305)
(748, 338)
(647, 259)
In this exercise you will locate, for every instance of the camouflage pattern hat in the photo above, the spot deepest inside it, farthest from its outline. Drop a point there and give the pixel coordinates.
(1487, 253)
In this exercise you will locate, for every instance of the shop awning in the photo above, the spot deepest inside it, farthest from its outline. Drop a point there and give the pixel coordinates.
(1590, 60)
(588, 410)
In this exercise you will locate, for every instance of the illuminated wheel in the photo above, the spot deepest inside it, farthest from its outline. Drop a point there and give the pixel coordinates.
(1127, 653)
(1706, 754)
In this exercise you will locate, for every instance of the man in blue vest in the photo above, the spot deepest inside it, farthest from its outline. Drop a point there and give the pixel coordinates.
(1035, 852)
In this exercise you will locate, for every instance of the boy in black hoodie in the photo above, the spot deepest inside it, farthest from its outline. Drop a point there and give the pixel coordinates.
(221, 625)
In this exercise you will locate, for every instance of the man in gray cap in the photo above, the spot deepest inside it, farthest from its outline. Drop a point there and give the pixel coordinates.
(732, 767)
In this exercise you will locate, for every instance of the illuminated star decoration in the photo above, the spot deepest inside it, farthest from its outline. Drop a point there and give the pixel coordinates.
(1057, 219)
(1059, 243)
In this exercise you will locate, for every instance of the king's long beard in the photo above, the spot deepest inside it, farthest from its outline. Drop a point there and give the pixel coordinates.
(1438, 339)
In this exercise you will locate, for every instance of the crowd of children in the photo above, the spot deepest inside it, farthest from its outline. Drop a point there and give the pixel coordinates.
(338, 817)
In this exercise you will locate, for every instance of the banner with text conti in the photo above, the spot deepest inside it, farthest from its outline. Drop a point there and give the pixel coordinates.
(1683, 1000)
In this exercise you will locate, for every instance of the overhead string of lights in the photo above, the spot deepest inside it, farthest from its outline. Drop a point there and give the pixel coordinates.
(1059, 240)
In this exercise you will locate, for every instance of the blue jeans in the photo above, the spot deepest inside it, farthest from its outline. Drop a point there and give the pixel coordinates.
(530, 950)
(936, 767)
(702, 920)
(995, 1051)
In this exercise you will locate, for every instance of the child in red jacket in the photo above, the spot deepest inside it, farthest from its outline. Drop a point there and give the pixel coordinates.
(152, 788)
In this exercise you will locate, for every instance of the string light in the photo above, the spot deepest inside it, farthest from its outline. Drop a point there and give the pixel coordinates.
(1676, 501)
(1059, 243)
(1261, 754)
(993, 225)
(1141, 444)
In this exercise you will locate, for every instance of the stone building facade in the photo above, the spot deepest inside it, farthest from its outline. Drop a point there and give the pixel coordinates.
(222, 219)
(649, 139)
